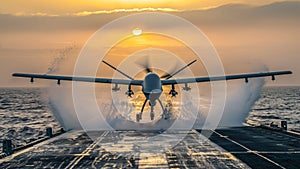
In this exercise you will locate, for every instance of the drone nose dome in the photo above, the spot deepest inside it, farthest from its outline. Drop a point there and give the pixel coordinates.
(152, 82)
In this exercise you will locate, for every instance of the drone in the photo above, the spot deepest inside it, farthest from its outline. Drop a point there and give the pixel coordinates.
(151, 85)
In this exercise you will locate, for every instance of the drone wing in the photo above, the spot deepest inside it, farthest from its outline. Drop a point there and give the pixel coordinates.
(228, 77)
(79, 79)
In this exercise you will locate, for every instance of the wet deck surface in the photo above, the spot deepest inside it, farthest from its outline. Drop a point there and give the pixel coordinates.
(124, 149)
(259, 147)
(241, 147)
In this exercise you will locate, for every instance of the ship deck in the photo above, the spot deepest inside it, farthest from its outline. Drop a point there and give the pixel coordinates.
(241, 147)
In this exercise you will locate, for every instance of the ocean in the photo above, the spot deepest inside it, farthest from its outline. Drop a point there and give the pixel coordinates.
(277, 104)
(25, 112)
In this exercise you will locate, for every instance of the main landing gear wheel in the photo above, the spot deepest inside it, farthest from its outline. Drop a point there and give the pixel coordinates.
(164, 116)
(138, 117)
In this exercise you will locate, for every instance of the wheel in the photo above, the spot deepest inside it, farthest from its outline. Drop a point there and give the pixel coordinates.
(165, 116)
(152, 115)
(138, 118)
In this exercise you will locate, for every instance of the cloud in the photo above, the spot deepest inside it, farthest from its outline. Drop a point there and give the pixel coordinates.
(35, 14)
(92, 20)
(97, 12)
(87, 13)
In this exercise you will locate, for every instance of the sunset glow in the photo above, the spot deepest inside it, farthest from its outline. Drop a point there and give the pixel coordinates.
(87, 7)
(149, 40)
(251, 33)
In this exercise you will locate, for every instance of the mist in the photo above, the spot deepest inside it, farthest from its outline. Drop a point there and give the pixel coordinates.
(239, 101)
(116, 111)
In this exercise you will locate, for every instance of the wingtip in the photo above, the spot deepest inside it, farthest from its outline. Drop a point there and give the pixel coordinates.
(14, 74)
(288, 72)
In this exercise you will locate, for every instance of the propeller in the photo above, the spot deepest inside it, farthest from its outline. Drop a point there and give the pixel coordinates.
(145, 64)
(167, 75)
(181, 69)
(176, 71)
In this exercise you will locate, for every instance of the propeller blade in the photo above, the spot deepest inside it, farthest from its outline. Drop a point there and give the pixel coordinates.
(145, 65)
(166, 74)
(178, 71)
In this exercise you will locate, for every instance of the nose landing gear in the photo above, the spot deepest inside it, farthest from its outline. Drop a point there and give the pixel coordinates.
(152, 112)
(152, 116)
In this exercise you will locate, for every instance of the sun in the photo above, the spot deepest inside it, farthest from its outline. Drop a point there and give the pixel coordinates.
(137, 31)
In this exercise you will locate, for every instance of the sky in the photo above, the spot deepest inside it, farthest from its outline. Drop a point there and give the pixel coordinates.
(70, 7)
(35, 35)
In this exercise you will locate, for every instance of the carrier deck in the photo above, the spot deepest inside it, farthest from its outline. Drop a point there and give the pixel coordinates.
(240, 147)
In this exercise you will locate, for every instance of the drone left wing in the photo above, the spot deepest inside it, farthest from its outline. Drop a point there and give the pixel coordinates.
(79, 79)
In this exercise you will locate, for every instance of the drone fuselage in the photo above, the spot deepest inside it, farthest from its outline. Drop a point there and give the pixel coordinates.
(152, 87)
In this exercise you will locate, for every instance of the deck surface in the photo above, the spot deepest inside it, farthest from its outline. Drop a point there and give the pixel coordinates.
(259, 147)
(228, 148)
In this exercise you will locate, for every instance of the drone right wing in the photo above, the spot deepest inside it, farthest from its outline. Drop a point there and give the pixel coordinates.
(220, 78)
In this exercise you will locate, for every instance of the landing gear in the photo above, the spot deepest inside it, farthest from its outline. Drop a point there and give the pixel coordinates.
(138, 117)
(152, 104)
(152, 112)
(164, 115)
(152, 115)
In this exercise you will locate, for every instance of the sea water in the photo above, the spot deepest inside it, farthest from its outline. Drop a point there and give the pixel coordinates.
(25, 112)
